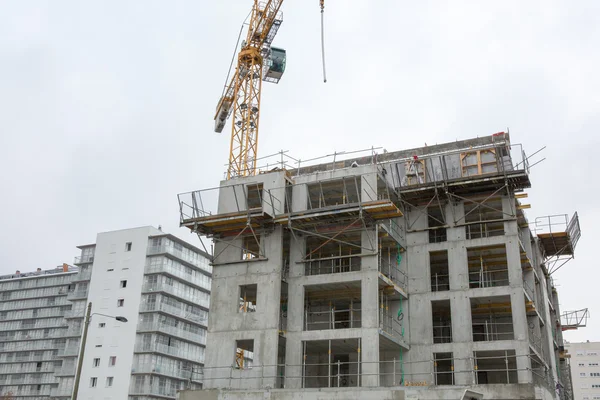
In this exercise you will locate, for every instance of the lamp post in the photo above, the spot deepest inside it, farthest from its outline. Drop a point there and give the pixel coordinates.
(86, 324)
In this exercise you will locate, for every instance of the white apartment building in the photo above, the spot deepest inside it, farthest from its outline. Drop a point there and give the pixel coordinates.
(33, 331)
(585, 369)
(161, 284)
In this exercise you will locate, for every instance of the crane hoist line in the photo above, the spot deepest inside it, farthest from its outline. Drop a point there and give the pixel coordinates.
(257, 61)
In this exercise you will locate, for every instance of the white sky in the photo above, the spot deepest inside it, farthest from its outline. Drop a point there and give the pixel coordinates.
(107, 107)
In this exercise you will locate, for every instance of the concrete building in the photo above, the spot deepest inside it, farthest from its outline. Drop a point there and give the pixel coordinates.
(585, 369)
(383, 274)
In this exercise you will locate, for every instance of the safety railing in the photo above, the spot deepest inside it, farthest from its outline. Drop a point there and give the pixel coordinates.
(442, 333)
(240, 198)
(332, 319)
(332, 265)
(484, 230)
(393, 272)
(529, 290)
(391, 324)
(393, 372)
(485, 278)
(440, 282)
(536, 342)
(486, 331)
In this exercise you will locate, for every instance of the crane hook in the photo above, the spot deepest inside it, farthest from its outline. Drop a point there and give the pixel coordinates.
(322, 3)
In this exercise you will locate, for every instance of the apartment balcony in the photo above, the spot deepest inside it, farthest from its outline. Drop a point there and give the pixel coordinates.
(66, 370)
(174, 311)
(58, 392)
(173, 331)
(77, 295)
(84, 259)
(153, 389)
(164, 269)
(170, 371)
(74, 314)
(83, 275)
(164, 349)
(164, 249)
(171, 290)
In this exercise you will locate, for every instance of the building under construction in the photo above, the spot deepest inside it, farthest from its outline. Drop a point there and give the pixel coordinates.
(400, 275)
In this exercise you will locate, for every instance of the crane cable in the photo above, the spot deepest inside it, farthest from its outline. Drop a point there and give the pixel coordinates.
(322, 2)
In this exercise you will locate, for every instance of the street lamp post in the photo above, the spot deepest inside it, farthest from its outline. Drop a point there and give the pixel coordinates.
(88, 317)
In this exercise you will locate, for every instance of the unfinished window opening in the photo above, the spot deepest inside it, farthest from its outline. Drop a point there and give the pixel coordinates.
(478, 162)
(248, 295)
(255, 193)
(332, 306)
(440, 278)
(499, 366)
(415, 172)
(251, 247)
(491, 318)
(334, 192)
(436, 224)
(442, 321)
(331, 363)
(484, 219)
(244, 353)
(444, 368)
(326, 256)
(488, 266)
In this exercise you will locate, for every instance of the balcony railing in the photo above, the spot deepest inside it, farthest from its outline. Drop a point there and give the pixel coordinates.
(180, 254)
(171, 330)
(168, 370)
(88, 258)
(175, 311)
(486, 331)
(83, 275)
(171, 290)
(77, 295)
(165, 349)
(195, 280)
(333, 318)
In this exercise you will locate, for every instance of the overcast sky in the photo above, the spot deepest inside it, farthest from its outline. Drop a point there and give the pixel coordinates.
(106, 107)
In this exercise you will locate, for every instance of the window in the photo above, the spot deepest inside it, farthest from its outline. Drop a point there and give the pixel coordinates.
(96, 362)
(112, 361)
(98, 345)
(109, 381)
(244, 353)
(595, 386)
(248, 298)
(581, 364)
(582, 374)
(101, 325)
(120, 302)
(123, 284)
(596, 374)
(128, 246)
(93, 381)
(110, 269)
(592, 353)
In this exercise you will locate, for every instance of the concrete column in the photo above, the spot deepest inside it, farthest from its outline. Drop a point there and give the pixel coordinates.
(458, 266)
(293, 361)
(513, 258)
(519, 315)
(369, 354)
(455, 212)
(460, 308)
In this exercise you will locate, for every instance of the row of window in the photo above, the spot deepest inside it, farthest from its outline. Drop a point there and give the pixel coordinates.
(589, 364)
(112, 361)
(587, 353)
(592, 374)
(94, 381)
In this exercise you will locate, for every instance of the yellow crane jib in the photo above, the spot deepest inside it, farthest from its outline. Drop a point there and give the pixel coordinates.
(257, 61)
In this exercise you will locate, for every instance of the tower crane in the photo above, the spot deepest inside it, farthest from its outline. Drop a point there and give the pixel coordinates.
(257, 61)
